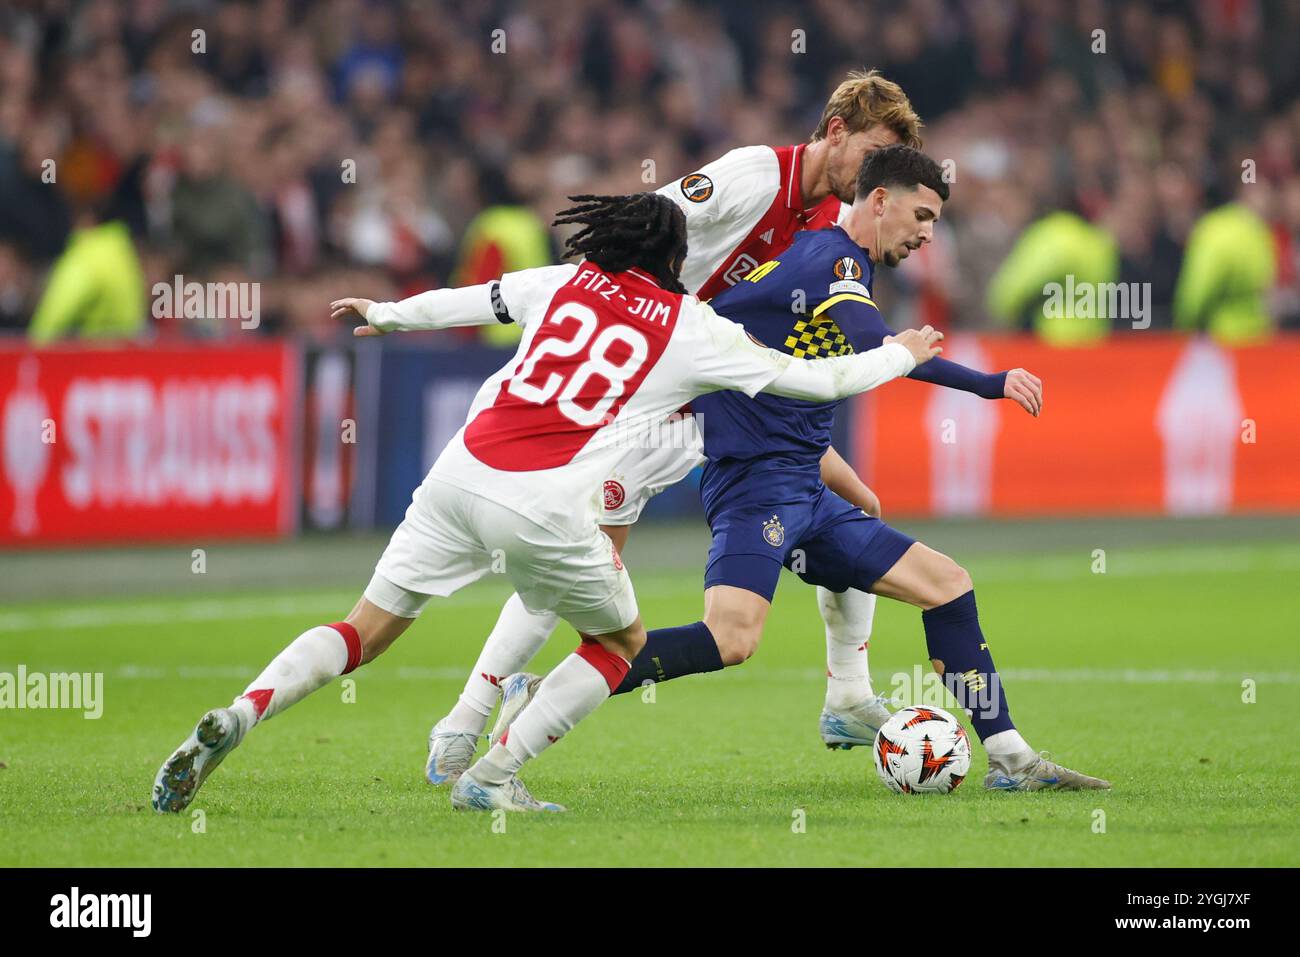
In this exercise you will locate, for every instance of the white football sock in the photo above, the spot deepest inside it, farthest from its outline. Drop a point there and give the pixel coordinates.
(848, 617)
(1006, 743)
(312, 660)
(517, 637)
(573, 690)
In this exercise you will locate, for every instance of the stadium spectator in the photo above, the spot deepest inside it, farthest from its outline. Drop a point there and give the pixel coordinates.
(96, 288)
(215, 221)
(229, 154)
(1228, 270)
(1065, 251)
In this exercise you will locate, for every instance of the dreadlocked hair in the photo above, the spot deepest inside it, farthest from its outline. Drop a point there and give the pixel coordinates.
(645, 231)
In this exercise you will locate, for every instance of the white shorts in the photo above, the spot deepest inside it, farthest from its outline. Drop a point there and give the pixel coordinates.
(451, 538)
(645, 472)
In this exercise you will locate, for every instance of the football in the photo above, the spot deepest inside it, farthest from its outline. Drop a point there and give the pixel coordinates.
(922, 751)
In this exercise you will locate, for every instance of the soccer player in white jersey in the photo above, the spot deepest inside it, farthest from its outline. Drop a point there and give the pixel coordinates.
(740, 210)
(610, 348)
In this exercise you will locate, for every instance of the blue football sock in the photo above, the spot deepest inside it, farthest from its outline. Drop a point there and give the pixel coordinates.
(672, 653)
(953, 636)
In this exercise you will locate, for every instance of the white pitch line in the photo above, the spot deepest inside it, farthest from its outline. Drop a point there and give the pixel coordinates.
(182, 610)
(135, 671)
(882, 682)
(164, 612)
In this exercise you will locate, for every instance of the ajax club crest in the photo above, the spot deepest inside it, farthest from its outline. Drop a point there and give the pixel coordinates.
(614, 494)
(774, 532)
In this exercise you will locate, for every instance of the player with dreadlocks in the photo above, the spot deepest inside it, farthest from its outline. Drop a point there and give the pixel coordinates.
(608, 351)
(619, 232)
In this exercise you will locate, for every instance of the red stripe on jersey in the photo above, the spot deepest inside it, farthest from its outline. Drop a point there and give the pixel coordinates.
(775, 229)
(602, 334)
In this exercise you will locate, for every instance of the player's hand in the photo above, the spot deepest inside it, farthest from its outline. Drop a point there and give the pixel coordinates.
(922, 343)
(1025, 389)
(340, 308)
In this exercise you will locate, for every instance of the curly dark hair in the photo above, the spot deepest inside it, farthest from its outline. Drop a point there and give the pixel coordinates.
(642, 230)
(900, 166)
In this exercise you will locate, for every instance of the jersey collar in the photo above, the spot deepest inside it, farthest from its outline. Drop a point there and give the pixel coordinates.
(643, 275)
(794, 188)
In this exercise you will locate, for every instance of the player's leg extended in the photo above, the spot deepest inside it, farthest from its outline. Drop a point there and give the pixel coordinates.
(575, 688)
(585, 582)
(498, 674)
(311, 661)
(847, 549)
(643, 474)
(518, 636)
(738, 590)
(943, 591)
(847, 616)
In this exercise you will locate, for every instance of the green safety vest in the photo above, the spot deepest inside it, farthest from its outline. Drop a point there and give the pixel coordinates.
(1228, 269)
(502, 239)
(1045, 277)
(95, 289)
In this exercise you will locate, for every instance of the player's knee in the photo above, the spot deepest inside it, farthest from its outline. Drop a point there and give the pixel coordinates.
(872, 505)
(953, 582)
(737, 647)
(737, 636)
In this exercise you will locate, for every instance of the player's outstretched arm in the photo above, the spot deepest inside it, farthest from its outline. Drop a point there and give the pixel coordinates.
(861, 321)
(515, 297)
(435, 309)
(826, 380)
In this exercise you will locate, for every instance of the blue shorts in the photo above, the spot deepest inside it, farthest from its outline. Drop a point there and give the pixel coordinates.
(826, 541)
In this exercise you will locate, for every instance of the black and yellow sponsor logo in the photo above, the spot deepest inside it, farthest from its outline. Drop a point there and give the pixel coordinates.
(817, 337)
(697, 187)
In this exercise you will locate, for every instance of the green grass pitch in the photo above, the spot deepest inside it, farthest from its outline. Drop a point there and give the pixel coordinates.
(1136, 674)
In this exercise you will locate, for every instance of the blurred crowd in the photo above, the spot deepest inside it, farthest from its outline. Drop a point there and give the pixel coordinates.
(382, 147)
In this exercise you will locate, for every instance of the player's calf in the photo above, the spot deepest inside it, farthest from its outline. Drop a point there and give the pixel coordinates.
(311, 661)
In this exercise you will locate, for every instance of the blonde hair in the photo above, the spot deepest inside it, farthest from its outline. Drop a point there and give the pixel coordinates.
(867, 99)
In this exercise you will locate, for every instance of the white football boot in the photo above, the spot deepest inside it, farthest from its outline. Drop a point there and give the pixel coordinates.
(516, 691)
(179, 779)
(855, 727)
(450, 754)
(469, 794)
(1027, 771)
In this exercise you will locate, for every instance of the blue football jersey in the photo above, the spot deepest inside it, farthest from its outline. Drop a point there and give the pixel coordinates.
(812, 301)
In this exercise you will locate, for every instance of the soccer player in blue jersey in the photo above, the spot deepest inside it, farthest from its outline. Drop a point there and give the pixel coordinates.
(768, 507)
